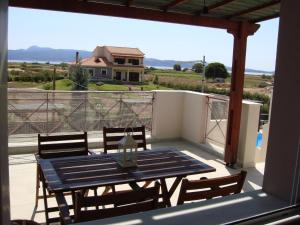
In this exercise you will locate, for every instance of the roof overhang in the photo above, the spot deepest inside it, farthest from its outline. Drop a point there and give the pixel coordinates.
(139, 9)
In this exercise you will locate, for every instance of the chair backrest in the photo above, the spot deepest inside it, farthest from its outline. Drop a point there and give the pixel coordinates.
(62, 145)
(192, 190)
(115, 204)
(111, 136)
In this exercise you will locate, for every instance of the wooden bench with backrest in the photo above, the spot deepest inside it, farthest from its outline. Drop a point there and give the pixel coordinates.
(192, 190)
(115, 204)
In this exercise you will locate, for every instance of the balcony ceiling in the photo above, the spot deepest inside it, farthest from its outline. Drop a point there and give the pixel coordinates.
(238, 10)
(224, 14)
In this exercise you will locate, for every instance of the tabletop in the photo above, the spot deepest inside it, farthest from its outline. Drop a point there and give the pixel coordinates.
(75, 173)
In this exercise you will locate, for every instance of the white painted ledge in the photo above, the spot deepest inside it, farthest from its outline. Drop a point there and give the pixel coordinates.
(215, 211)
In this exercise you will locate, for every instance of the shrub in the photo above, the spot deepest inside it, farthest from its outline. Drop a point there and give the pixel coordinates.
(156, 81)
(79, 77)
(198, 67)
(214, 70)
(177, 67)
(47, 86)
(262, 84)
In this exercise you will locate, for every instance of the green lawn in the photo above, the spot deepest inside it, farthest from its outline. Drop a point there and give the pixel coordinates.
(20, 84)
(66, 85)
(176, 74)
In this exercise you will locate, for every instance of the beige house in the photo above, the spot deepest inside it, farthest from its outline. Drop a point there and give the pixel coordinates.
(114, 63)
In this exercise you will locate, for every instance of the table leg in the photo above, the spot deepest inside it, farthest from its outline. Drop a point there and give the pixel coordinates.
(45, 200)
(167, 194)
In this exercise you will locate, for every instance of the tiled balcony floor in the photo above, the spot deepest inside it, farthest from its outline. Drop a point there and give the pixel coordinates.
(23, 178)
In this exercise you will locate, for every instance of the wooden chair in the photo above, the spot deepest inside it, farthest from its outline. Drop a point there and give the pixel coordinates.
(55, 146)
(111, 136)
(125, 202)
(192, 190)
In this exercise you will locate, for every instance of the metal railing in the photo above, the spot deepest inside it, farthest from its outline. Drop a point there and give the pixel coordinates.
(216, 122)
(31, 112)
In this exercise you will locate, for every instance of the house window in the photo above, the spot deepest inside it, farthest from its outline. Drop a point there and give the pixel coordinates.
(134, 76)
(90, 71)
(134, 61)
(103, 72)
(120, 60)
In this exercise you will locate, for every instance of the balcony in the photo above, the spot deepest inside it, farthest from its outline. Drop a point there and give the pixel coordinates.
(193, 123)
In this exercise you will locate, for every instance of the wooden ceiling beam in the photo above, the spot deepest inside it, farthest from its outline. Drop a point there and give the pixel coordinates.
(219, 4)
(129, 3)
(173, 4)
(214, 6)
(273, 16)
(253, 9)
(76, 6)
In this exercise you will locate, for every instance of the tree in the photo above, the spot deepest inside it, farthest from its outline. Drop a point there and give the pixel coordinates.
(177, 67)
(79, 78)
(214, 70)
(198, 67)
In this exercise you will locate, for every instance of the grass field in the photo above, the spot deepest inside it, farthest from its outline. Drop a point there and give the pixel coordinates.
(167, 79)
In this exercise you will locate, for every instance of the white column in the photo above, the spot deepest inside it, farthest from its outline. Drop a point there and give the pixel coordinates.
(127, 75)
(141, 76)
(283, 158)
(248, 134)
(4, 179)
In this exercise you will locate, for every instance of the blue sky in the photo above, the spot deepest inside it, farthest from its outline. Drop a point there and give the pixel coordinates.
(155, 39)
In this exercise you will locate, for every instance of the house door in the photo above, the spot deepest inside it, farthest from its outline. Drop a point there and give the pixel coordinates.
(134, 76)
(118, 75)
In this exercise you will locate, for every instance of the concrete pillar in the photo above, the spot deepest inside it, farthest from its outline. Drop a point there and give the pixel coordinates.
(282, 161)
(248, 134)
(4, 179)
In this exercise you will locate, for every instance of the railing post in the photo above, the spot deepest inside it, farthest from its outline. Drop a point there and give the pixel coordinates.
(85, 112)
(47, 113)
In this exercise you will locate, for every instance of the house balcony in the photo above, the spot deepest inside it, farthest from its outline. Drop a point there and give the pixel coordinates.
(193, 123)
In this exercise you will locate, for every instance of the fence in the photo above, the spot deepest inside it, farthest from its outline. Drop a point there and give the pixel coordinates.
(31, 112)
(216, 122)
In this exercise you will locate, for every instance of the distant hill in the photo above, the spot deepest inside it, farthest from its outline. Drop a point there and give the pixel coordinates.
(44, 54)
(35, 53)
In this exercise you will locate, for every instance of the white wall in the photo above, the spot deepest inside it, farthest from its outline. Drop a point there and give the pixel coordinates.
(248, 134)
(167, 114)
(183, 114)
(194, 116)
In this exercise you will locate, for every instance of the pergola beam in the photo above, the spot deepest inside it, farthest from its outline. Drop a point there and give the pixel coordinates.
(219, 4)
(129, 3)
(173, 4)
(275, 15)
(129, 12)
(214, 6)
(253, 9)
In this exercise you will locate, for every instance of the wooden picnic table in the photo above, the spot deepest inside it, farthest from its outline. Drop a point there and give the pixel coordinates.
(91, 171)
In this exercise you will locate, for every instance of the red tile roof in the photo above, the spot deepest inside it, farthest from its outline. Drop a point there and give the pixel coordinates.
(93, 62)
(124, 51)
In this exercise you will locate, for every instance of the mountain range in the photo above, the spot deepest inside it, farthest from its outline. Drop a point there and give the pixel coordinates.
(45, 54)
